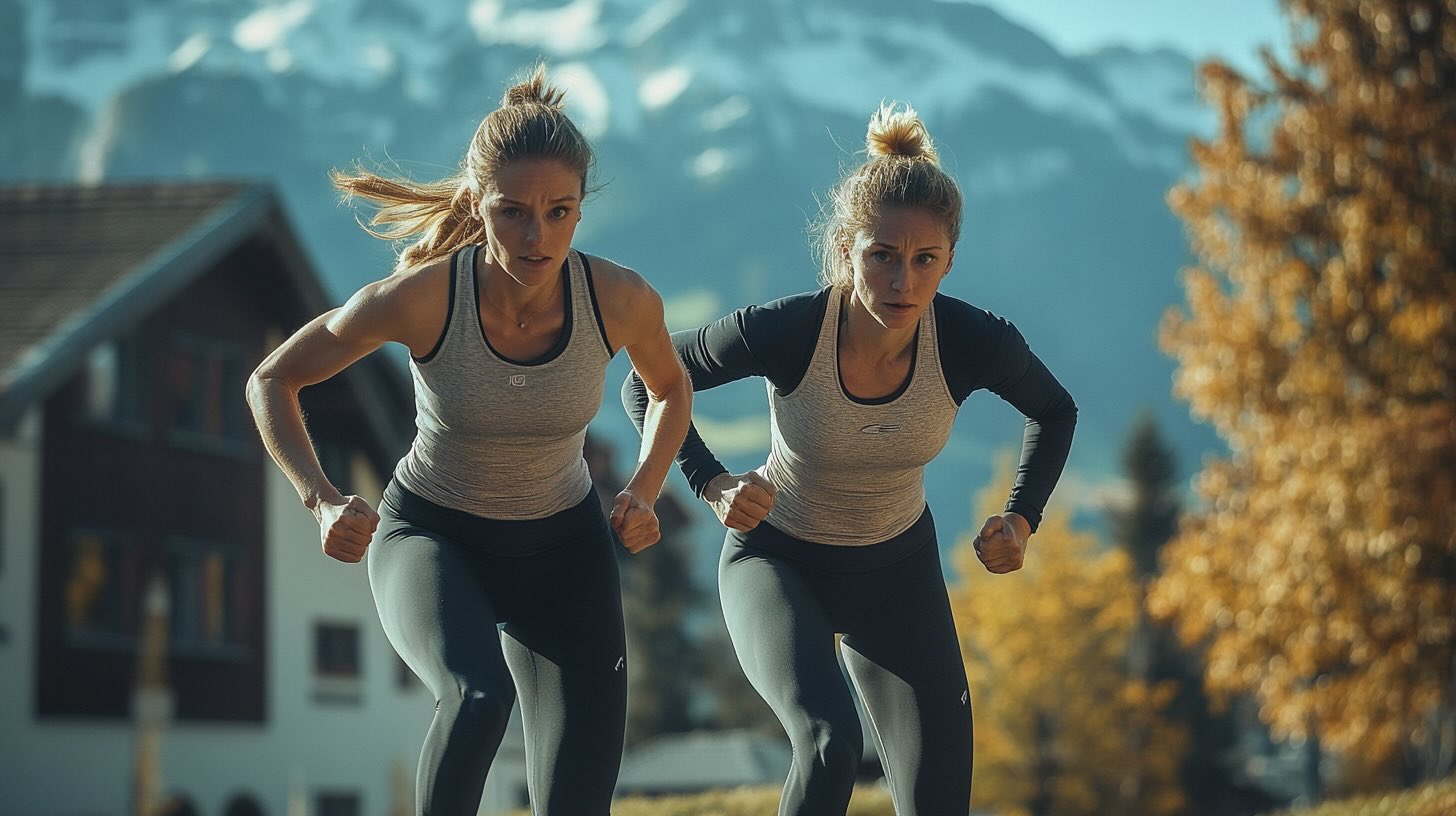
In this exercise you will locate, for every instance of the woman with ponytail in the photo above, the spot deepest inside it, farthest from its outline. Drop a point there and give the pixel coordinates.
(832, 535)
(491, 563)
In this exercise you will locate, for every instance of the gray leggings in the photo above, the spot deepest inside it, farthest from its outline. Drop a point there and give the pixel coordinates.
(443, 582)
(784, 599)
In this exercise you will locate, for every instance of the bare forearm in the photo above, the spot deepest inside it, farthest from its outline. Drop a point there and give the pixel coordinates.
(663, 429)
(279, 417)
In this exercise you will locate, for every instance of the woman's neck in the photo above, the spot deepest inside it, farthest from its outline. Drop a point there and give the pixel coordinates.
(508, 294)
(861, 335)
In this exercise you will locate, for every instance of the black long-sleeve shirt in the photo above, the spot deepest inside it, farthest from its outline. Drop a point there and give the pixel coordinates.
(976, 350)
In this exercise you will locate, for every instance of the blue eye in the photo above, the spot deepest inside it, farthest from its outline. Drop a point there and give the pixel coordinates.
(510, 212)
(560, 212)
(926, 259)
(880, 256)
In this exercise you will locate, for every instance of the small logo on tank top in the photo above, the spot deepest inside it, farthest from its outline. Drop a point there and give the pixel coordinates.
(879, 429)
(517, 380)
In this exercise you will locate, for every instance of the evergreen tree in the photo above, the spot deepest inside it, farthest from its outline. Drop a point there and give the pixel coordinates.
(1141, 527)
(1045, 650)
(1150, 518)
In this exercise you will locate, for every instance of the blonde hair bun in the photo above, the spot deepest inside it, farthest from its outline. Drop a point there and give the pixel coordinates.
(902, 169)
(899, 132)
(533, 90)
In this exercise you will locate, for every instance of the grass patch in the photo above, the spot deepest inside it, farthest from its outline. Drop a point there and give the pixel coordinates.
(1437, 799)
(868, 801)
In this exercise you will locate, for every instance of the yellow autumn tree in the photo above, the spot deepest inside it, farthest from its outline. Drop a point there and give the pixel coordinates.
(1318, 340)
(1060, 727)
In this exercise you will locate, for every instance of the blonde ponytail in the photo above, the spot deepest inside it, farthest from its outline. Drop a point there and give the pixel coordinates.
(444, 215)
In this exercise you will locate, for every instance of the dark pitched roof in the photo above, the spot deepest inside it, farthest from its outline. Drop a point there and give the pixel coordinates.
(65, 251)
(82, 264)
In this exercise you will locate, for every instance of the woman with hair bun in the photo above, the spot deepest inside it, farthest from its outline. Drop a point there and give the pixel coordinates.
(491, 563)
(832, 535)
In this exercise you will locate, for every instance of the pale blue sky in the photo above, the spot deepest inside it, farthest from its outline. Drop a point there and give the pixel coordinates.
(1231, 29)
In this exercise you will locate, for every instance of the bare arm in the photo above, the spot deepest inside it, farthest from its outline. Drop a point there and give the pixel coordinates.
(669, 407)
(393, 309)
(632, 311)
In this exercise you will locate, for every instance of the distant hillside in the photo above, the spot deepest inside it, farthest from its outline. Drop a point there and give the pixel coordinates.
(717, 126)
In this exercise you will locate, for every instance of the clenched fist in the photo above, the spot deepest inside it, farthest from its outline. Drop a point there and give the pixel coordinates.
(346, 525)
(1001, 544)
(741, 501)
(635, 522)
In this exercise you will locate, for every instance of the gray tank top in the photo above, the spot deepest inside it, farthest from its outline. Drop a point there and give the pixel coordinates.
(499, 438)
(851, 472)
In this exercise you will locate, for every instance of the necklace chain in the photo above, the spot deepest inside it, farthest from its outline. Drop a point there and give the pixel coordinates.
(523, 319)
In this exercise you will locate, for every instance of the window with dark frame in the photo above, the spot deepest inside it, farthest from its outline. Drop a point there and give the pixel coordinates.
(336, 650)
(113, 384)
(207, 596)
(243, 804)
(339, 803)
(103, 588)
(206, 377)
(405, 677)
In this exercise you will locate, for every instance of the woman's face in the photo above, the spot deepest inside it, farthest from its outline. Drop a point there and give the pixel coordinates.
(530, 218)
(898, 261)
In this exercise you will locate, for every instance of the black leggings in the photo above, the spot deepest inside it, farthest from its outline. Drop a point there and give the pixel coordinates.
(784, 599)
(443, 581)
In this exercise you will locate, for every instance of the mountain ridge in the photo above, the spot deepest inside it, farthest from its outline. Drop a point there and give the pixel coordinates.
(718, 127)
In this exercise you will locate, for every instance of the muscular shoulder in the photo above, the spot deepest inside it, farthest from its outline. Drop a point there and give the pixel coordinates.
(418, 282)
(617, 283)
(408, 306)
(630, 307)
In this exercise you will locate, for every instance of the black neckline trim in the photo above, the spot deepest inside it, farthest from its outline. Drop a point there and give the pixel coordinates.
(888, 398)
(591, 289)
(449, 310)
(562, 340)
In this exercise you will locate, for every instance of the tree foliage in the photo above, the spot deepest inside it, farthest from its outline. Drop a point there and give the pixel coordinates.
(1046, 656)
(1318, 341)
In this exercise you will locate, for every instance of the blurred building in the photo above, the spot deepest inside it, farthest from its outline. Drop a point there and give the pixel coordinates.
(130, 317)
(703, 761)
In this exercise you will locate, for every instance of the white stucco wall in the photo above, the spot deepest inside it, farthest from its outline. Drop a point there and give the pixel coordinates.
(19, 531)
(304, 747)
(389, 725)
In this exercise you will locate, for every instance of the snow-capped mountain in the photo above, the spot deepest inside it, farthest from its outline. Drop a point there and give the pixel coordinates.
(621, 59)
(716, 123)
